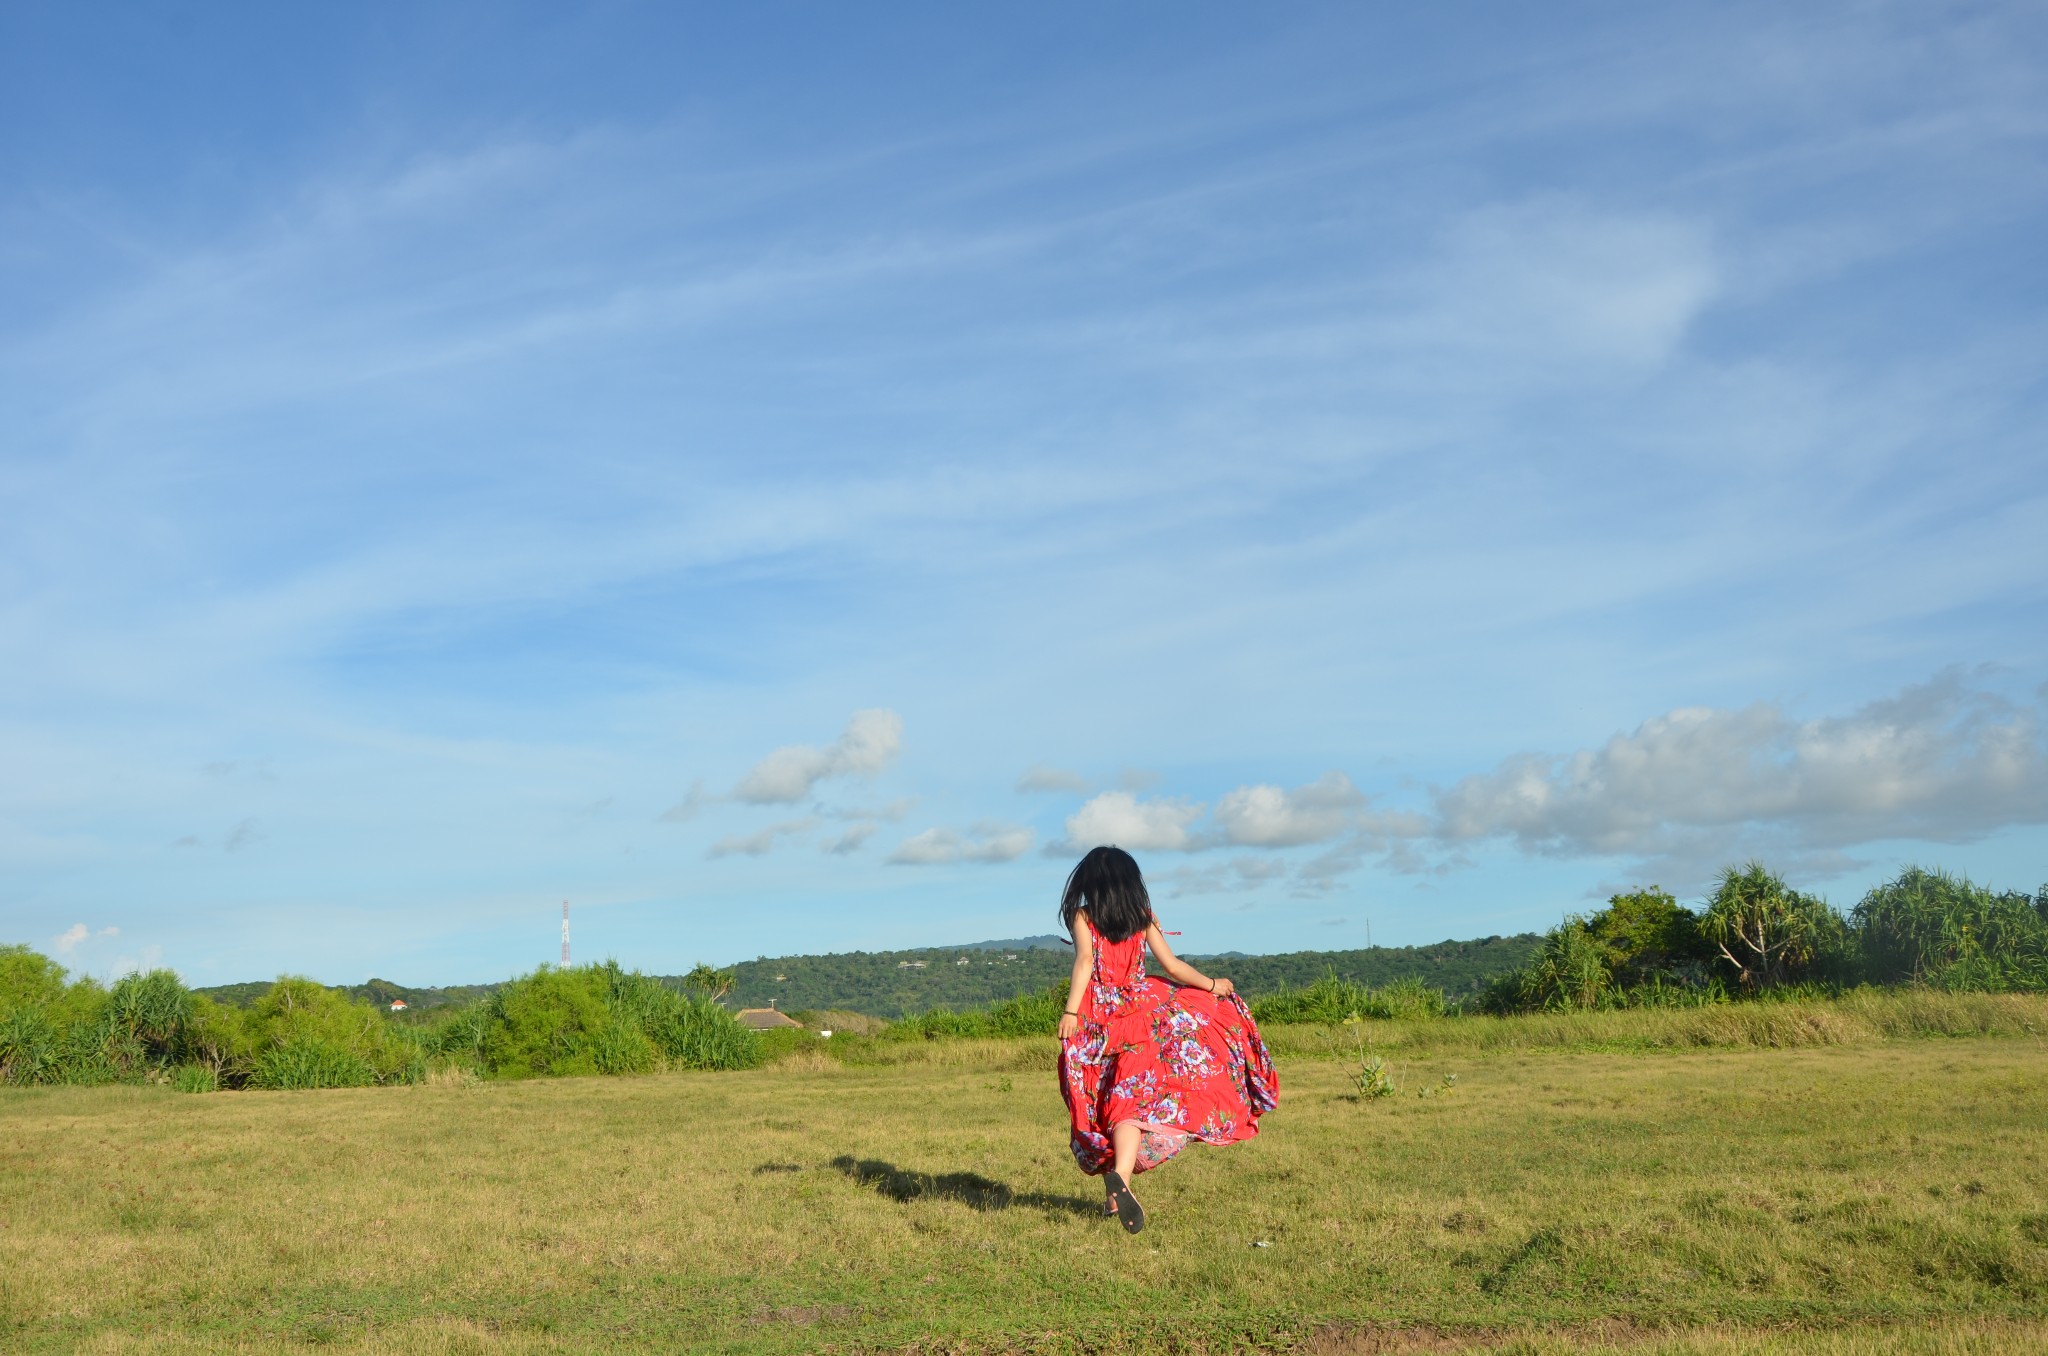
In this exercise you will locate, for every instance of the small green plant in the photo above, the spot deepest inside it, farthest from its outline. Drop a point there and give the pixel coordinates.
(1370, 1077)
(195, 1078)
(1442, 1087)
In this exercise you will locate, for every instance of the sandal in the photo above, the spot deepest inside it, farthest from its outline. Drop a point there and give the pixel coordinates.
(1128, 1212)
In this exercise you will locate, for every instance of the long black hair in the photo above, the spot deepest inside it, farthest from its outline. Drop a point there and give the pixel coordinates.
(1109, 885)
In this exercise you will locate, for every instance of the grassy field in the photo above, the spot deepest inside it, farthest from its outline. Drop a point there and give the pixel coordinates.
(1855, 1193)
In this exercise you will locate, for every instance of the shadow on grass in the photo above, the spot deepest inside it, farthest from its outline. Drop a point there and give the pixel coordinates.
(970, 1189)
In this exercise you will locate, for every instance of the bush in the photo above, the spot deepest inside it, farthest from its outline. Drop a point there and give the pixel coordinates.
(301, 1034)
(599, 1019)
(1770, 934)
(54, 1031)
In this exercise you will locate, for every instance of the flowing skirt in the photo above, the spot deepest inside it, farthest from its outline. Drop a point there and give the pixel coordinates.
(1183, 1063)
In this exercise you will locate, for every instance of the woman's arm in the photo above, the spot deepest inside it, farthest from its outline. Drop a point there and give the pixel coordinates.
(1179, 970)
(1084, 964)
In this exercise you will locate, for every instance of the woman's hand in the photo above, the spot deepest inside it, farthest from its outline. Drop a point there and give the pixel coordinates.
(1223, 988)
(1070, 1026)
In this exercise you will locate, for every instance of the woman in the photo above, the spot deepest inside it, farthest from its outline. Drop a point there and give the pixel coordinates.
(1146, 1066)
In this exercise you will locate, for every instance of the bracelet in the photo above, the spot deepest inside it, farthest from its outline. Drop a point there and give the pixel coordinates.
(1070, 1012)
(1212, 986)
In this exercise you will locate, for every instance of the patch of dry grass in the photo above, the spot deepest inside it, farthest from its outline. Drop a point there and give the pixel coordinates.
(1555, 1200)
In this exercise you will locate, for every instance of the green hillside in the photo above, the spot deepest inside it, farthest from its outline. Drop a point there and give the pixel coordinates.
(894, 984)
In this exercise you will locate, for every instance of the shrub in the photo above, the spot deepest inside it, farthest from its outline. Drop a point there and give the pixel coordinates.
(301, 1034)
(599, 1019)
(1568, 972)
(1647, 934)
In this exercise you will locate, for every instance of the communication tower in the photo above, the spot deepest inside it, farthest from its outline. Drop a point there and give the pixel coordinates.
(565, 934)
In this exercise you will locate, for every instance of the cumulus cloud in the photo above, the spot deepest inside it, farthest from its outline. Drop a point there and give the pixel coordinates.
(1039, 777)
(762, 841)
(1688, 789)
(1120, 818)
(1266, 816)
(984, 843)
(870, 742)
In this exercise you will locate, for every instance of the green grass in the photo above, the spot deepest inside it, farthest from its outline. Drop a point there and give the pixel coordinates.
(1845, 1192)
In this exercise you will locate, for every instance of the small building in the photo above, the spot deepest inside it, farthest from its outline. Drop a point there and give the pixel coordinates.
(398, 1005)
(765, 1019)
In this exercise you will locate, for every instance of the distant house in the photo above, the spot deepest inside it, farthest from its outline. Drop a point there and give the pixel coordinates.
(765, 1019)
(963, 961)
(910, 965)
(398, 1005)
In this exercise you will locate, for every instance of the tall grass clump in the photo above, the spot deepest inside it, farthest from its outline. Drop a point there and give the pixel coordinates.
(1334, 999)
(1031, 1014)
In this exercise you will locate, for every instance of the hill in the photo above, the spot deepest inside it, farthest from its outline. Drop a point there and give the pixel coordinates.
(894, 984)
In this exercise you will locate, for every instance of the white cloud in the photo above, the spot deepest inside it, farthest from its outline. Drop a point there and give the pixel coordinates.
(1121, 819)
(1697, 786)
(68, 940)
(1266, 816)
(1039, 777)
(986, 843)
(870, 742)
(761, 842)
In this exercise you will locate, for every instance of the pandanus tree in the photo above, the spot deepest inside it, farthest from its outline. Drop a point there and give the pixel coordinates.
(1934, 928)
(1768, 931)
(711, 982)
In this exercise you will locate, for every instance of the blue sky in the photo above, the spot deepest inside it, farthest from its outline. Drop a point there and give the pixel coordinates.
(786, 477)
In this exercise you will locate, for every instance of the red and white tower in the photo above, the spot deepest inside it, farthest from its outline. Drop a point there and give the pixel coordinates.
(565, 934)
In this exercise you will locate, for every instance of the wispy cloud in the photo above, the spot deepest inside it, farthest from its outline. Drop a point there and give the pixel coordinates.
(1039, 777)
(687, 809)
(986, 843)
(762, 841)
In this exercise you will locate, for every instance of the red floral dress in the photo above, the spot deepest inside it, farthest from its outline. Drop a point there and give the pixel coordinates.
(1183, 1063)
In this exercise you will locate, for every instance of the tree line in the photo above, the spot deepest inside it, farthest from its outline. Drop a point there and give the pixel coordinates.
(1756, 935)
(592, 1019)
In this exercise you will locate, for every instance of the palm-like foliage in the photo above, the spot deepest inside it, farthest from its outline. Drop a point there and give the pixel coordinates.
(1933, 928)
(1768, 931)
